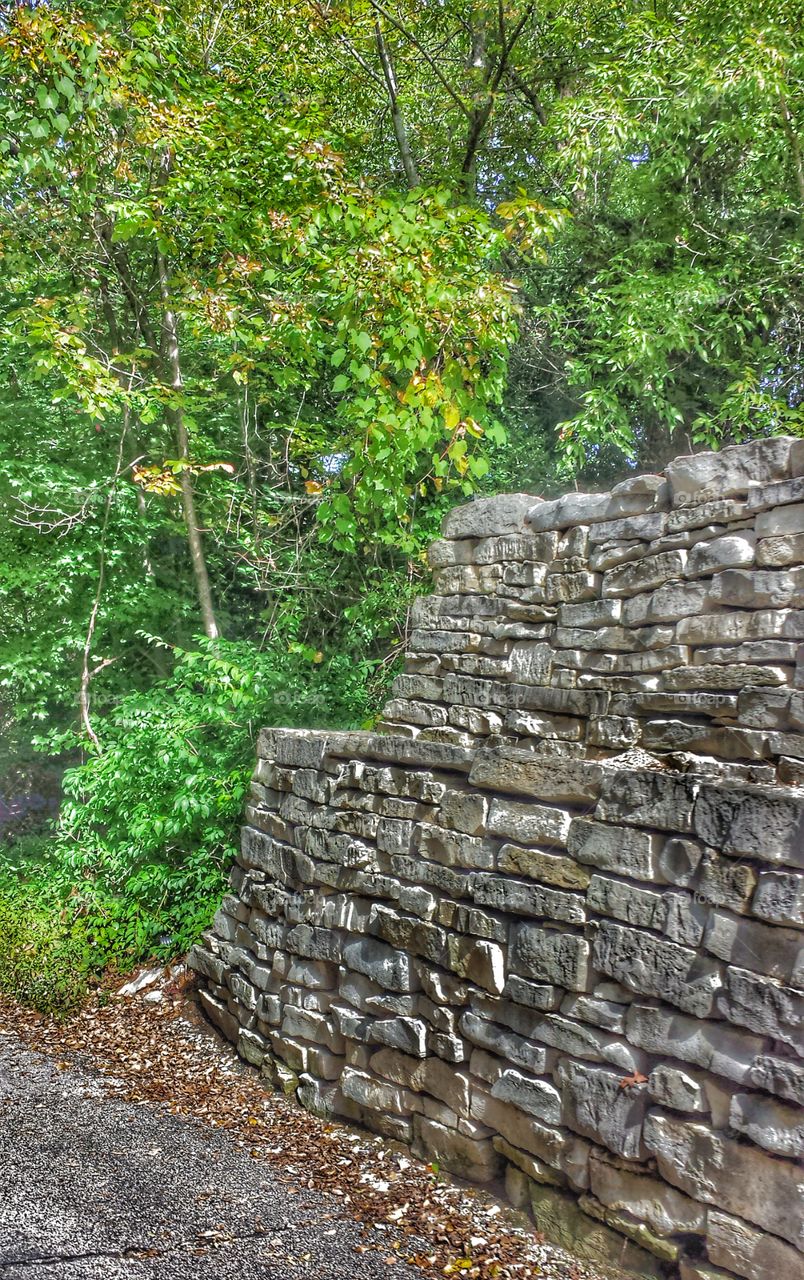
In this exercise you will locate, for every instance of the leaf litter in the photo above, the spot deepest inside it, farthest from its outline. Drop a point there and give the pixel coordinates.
(154, 1046)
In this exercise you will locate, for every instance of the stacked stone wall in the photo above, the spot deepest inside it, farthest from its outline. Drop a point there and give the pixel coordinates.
(547, 925)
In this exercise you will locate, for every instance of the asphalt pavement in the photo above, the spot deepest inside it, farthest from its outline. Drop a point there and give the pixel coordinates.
(95, 1188)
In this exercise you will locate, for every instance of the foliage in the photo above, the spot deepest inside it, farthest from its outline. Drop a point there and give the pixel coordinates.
(281, 283)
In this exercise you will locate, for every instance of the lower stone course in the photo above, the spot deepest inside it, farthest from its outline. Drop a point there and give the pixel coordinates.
(592, 1014)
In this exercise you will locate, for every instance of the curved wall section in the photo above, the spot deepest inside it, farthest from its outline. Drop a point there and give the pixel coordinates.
(547, 925)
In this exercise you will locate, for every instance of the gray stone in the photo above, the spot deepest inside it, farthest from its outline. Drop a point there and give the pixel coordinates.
(779, 897)
(699, 477)
(596, 1105)
(465, 811)
(643, 527)
(779, 1076)
(731, 628)
(548, 868)
(521, 898)
(601, 1013)
(572, 509)
(764, 1006)
(537, 1097)
(673, 914)
(762, 822)
(409, 1035)
(623, 849)
(645, 574)
(781, 522)
(768, 1123)
(488, 517)
(765, 949)
(665, 604)
(653, 799)
(672, 1087)
(746, 1252)
(392, 969)
(739, 1179)
(469, 1158)
(780, 551)
(550, 956)
(758, 588)
(647, 1199)
(654, 967)
(733, 551)
(591, 613)
(529, 823)
(514, 1048)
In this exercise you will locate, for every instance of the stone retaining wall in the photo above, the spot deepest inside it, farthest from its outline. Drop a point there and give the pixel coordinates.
(548, 924)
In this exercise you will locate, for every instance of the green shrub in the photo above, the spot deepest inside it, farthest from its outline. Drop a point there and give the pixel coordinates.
(44, 953)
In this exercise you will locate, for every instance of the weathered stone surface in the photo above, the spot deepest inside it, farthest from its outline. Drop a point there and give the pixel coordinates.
(672, 1087)
(595, 1104)
(717, 1047)
(550, 955)
(512, 770)
(781, 550)
(740, 1179)
(529, 823)
(548, 868)
(762, 822)
(646, 1198)
(765, 1006)
(507, 1044)
(781, 521)
(779, 897)
(768, 1123)
(760, 589)
(700, 477)
(778, 953)
(652, 799)
(537, 1097)
(732, 552)
(645, 574)
(391, 969)
(488, 517)
(625, 850)
(737, 1245)
(655, 967)
(521, 898)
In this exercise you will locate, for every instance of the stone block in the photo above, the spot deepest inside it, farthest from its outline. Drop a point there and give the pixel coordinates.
(550, 956)
(537, 1097)
(645, 574)
(510, 769)
(607, 1014)
(677, 1089)
(391, 969)
(733, 551)
(528, 823)
(781, 550)
(758, 588)
(701, 477)
(747, 1252)
(768, 1123)
(648, 798)
(779, 897)
(464, 811)
(761, 822)
(482, 962)
(597, 1105)
(651, 966)
(665, 1210)
(778, 1075)
(488, 517)
(520, 897)
(765, 1006)
(781, 522)
(674, 914)
(474, 1160)
(514, 1048)
(548, 868)
(765, 949)
(715, 1046)
(611, 848)
(729, 1175)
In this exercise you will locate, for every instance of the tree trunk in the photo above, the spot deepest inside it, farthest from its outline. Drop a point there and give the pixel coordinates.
(397, 119)
(171, 357)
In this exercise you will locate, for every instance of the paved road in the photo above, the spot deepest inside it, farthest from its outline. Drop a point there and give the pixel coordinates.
(92, 1188)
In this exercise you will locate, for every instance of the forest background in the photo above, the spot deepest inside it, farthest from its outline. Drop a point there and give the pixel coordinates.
(281, 283)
